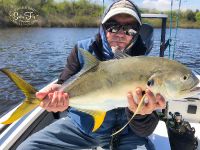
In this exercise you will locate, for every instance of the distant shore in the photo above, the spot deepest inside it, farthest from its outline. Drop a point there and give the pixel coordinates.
(181, 24)
(79, 13)
(87, 23)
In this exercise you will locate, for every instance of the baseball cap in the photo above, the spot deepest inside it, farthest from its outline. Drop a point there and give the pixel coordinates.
(123, 7)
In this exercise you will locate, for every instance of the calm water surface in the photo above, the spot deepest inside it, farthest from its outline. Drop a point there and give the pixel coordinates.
(39, 54)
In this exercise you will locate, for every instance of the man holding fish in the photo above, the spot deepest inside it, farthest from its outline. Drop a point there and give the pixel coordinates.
(118, 32)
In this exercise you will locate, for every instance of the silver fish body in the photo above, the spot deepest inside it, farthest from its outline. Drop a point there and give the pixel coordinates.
(105, 85)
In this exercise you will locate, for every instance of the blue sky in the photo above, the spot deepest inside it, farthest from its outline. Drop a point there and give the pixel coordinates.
(157, 4)
(166, 4)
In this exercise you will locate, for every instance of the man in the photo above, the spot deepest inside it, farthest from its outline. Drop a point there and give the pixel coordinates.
(119, 32)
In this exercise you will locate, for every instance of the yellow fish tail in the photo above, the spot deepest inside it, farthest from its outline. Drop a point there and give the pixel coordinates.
(30, 101)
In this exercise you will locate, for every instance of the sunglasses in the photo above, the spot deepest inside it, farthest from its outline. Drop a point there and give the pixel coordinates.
(114, 27)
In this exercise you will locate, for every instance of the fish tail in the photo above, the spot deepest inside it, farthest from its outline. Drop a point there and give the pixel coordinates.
(29, 91)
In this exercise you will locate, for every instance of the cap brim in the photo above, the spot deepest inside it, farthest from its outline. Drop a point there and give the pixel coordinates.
(117, 11)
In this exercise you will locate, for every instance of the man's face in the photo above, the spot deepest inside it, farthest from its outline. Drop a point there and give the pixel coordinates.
(120, 39)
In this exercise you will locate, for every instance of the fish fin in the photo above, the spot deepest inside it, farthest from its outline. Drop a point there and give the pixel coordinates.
(25, 87)
(140, 106)
(22, 110)
(89, 60)
(120, 55)
(98, 117)
(30, 101)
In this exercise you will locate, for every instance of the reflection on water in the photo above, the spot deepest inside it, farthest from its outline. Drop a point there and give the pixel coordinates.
(187, 47)
(39, 54)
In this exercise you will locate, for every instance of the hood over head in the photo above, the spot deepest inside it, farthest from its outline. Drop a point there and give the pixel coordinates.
(119, 7)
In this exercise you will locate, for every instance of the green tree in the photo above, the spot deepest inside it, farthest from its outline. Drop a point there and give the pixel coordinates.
(190, 15)
(197, 17)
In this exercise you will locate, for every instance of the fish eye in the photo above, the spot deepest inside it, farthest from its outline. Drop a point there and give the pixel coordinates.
(150, 82)
(185, 77)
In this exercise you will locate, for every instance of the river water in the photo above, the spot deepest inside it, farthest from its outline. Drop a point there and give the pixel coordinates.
(39, 54)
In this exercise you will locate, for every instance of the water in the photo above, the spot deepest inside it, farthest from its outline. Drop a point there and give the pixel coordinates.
(39, 54)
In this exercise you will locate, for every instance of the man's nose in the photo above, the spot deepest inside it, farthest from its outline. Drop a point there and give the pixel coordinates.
(120, 33)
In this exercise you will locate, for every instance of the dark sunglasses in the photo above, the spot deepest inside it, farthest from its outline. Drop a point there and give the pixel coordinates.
(114, 27)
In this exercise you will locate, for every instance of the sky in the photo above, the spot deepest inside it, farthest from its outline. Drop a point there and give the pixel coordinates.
(157, 4)
(165, 4)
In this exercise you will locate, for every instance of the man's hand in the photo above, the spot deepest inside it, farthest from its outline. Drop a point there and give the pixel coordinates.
(154, 101)
(52, 99)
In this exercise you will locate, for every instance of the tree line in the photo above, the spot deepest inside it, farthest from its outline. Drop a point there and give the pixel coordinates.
(78, 13)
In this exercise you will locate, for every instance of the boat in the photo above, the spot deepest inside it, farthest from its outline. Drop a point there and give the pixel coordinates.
(189, 109)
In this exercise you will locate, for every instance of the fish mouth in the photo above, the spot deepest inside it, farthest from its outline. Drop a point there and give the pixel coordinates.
(195, 89)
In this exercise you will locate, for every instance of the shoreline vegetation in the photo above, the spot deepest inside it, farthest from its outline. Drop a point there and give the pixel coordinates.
(75, 13)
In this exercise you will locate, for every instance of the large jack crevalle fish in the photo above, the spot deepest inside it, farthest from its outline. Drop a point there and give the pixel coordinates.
(103, 86)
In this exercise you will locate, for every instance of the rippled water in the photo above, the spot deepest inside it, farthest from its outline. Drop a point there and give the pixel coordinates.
(39, 54)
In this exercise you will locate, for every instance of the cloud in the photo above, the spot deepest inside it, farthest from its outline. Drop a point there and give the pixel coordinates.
(157, 4)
